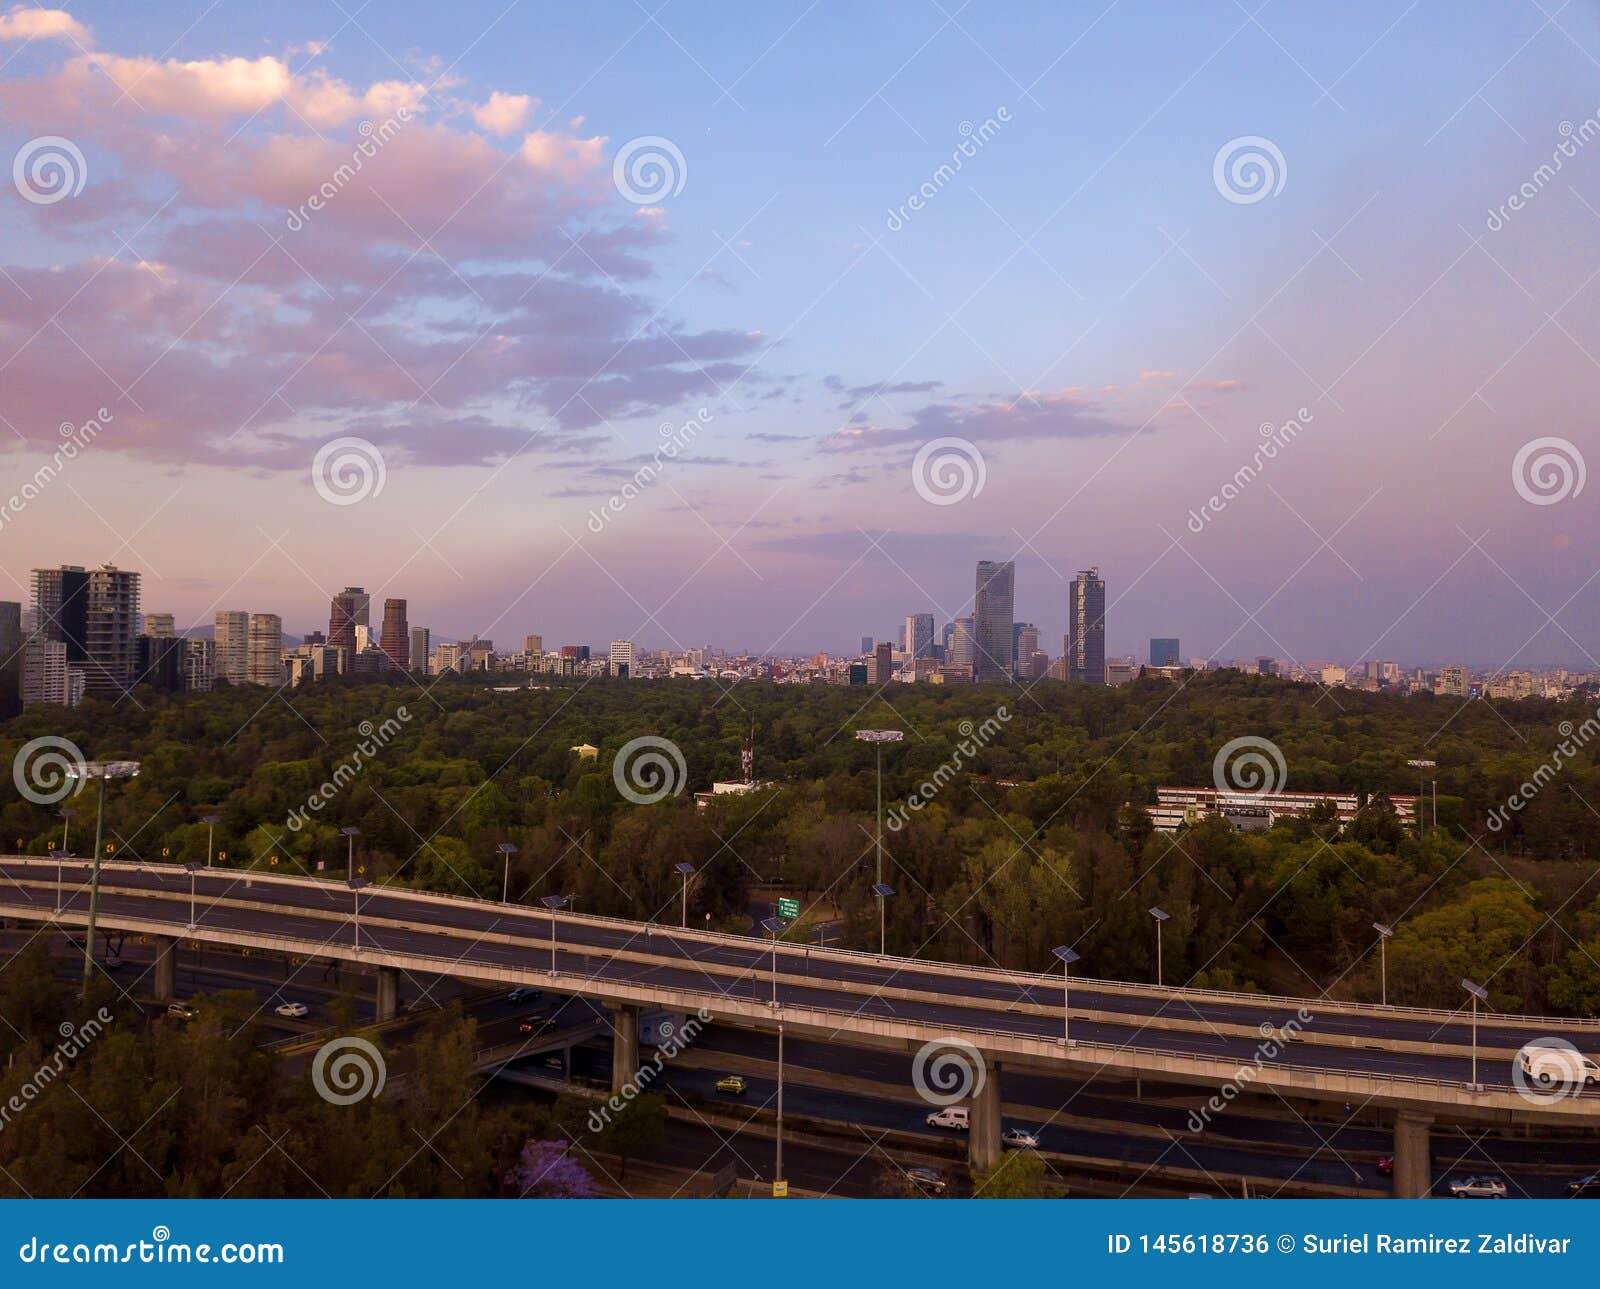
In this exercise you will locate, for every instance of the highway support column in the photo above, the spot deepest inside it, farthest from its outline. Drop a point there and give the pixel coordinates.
(165, 976)
(624, 1046)
(983, 1127)
(388, 991)
(1413, 1167)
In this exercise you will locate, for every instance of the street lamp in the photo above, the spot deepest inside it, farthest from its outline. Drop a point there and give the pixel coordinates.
(775, 927)
(883, 892)
(355, 884)
(350, 857)
(67, 816)
(191, 869)
(1160, 915)
(1385, 934)
(878, 738)
(1068, 956)
(58, 856)
(553, 902)
(1422, 779)
(210, 821)
(1479, 995)
(103, 771)
(685, 871)
(507, 850)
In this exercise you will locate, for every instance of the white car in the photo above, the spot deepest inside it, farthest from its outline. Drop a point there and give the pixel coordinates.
(292, 1011)
(1019, 1139)
(1483, 1187)
(951, 1116)
(1558, 1069)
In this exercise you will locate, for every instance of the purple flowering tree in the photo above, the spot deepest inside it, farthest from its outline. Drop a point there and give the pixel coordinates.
(547, 1171)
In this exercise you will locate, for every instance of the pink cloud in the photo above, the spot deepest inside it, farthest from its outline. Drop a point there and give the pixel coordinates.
(23, 23)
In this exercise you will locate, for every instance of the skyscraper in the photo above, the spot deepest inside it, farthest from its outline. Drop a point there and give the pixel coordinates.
(61, 609)
(867, 643)
(1163, 651)
(10, 659)
(533, 646)
(991, 620)
(264, 650)
(112, 634)
(199, 665)
(1024, 644)
(396, 638)
(962, 649)
(919, 636)
(621, 657)
(882, 671)
(160, 626)
(420, 647)
(349, 608)
(1086, 628)
(230, 630)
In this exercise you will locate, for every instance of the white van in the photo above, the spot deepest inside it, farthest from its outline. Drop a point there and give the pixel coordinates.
(951, 1116)
(1558, 1067)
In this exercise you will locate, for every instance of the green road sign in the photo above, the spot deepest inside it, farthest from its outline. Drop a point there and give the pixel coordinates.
(789, 909)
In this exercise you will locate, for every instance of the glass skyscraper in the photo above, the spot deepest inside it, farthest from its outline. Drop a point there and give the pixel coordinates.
(1086, 628)
(992, 607)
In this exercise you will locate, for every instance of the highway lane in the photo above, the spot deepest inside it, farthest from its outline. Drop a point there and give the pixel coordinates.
(597, 968)
(751, 955)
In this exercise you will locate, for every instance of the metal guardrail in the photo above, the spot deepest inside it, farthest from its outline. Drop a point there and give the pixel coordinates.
(998, 975)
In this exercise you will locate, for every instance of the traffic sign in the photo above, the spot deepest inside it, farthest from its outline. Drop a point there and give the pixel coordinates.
(789, 909)
(780, 1190)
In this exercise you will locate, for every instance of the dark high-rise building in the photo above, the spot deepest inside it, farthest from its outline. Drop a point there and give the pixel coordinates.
(1024, 644)
(919, 635)
(882, 663)
(161, 663)
(396, 638)
(349, 609)
(1163, 651)
(991, 620)
(867, 643)
(111, 625)
(61, 609)
(1086, 628)
(10, 659)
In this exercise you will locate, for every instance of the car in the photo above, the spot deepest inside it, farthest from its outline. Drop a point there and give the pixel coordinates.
(955, 1117)
(1484, 1186)
(1386, 1165)
(927, 1180)
(1586, 1186)
(183, 1011)
(292, 1011)
(521, 995)
(554, 1062)
(532, 1024)
(733, 1084)
(1019, 1139)
(1557, 1069)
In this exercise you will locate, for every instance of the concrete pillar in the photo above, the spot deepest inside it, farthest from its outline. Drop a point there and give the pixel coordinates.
(388, 988)
(624, 1046)
(983, 1131)
(1413, 1165)
(166, 969)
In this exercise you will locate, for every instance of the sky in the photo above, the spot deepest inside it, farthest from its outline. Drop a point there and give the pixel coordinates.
(758, 326)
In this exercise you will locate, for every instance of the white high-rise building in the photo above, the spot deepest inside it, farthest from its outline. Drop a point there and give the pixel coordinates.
(264, 646)
(231, 632)
(160, 626)
(199, 665)
(622, 657)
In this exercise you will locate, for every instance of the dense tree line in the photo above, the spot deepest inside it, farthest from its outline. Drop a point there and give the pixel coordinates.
(1035, 837)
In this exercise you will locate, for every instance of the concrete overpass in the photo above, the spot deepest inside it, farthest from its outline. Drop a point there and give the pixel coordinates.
(1414, 1061)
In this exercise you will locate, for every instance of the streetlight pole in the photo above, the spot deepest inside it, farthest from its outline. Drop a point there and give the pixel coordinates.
(210, 821)
(103, 771)
(553, 902)
(66, 829)
(1384, 933)
(774, 926)
(191, 869)
(1479, 994)
(878, 738)
(507, 850)
(1160, 915)
(685, 871)
(1068, 956)
(350, 857)
(1420, 764)
(355, 884)
(883, 892)
(777, 1172)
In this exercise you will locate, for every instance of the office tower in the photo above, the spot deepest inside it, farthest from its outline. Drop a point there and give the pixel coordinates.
(61, 608)
(396, 638)
(264, 650)
(1163, 651)
(919, 636)
(446, 657)
(112, 636)
(1086, 628)
(945, 637)
(1024, 644)
(363, 637)
(348, 610)
(160, 626)
(230, 629)
(1265, 666)
(882, 670)
(867, 644)
(44, 671)
(199, 665)
(161, 663)
(10, 659)
(419, 648)
(991, 620)
(533, 646)
(621, 657)
(479, 654)
(962, 650)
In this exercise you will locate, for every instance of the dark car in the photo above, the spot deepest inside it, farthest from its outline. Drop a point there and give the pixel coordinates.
(1585, 1187)
(1386, 1165)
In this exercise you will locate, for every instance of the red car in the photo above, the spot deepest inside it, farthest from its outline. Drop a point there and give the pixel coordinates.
(533, 1024)
(1386, 1165)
